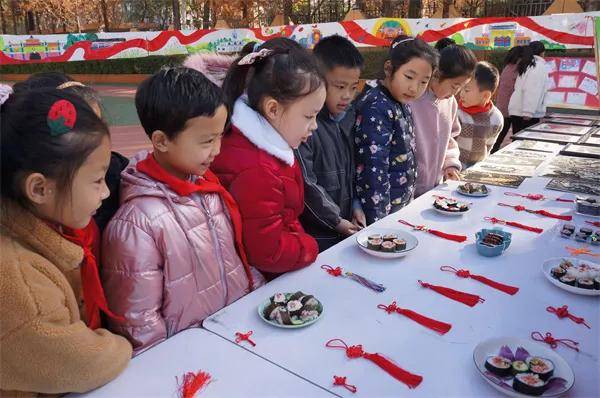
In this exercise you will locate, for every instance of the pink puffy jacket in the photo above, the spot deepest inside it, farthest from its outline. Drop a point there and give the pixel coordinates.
(168, 261)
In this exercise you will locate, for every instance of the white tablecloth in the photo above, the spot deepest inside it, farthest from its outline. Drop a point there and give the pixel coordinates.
(445, 362)
(236, 373)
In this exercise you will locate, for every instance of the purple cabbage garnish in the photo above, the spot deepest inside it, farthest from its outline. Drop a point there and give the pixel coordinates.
(505, 352)
(555, 385)
(498, 380)
(521, 354)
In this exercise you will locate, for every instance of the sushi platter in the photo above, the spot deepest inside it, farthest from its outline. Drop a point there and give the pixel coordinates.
(521, 368)
(580, 234)
(573, 275)
(387, 243)
(450, 206)
(473, 189)
(291, 310)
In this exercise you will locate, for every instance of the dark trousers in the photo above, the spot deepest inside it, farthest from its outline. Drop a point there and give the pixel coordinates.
(518, 123)
(502, 135)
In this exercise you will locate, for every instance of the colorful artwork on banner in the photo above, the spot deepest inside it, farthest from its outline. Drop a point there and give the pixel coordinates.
(573, 81)
(558, 31)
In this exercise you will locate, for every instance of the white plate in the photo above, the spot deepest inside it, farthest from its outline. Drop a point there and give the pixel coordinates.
(492, 347)
(474, 195)
(554, 262)
(268, 301)
(451, 213)
(411, 242)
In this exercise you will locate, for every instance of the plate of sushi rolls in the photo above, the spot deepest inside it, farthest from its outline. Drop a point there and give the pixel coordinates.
(573, 275)
(473, 189)
(522, 368)
(291, 310)
(450, 206)
(386, 243)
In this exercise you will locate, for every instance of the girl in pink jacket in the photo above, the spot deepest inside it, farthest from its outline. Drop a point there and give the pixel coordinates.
(173, 254)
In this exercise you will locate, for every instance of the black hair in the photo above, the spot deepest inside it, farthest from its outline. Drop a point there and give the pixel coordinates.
(528, 58)
(285, 75)
(404, 48)
(335, 50)
(41, 80)
(487, 76)
(248, 48)
(29, 147)
(169, 98)
(89, 94)
(281, 43)
(456, 61)
(513, 56)
(443, 43)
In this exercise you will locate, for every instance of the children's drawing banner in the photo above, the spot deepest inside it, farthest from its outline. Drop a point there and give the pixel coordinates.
(560, 31)
(573, 81)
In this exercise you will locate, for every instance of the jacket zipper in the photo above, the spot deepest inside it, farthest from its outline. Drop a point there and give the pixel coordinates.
(217, 247)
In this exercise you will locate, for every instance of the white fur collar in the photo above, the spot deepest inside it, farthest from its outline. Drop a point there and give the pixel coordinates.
(260, 132)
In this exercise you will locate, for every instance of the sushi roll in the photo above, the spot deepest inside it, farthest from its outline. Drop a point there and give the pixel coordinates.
(294, 307)
(558, 272)
(529, 383)
(519, 367)
(388, 247)
(307, 316)
(279, 299)
(297, 296)
(585, 231)
(374, 244)
(400, 244)
(580, 237)
(542, 367)
(569, 227)
(283, 317)
(597, 283)
(375, 236)
(270, 311)
(309, 300)
(565, 233)
(568, 280)
(389, 237)
(566, 264)
(498, 365)
(585, 283)
(493, 239)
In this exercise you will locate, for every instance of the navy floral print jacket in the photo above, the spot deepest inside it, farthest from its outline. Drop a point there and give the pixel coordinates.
(386, 166)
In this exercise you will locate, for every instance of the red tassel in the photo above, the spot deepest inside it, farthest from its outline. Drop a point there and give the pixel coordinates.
(437, 326)
(464, 273)
(455, 238)
(552, 215)
(594, 223)
(525, 227)
(466, 298)
(356, 351)
(410, 379)
(193, 383)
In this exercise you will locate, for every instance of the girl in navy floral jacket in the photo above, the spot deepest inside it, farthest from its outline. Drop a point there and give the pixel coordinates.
(385, 142)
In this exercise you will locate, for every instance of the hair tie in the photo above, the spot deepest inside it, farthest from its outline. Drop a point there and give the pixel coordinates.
(251, 58)
(68, 84)
(402, 41)
(61, 117)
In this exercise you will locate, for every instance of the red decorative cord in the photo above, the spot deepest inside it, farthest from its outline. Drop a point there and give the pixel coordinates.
(341, 381)
(239, 337)
(553, 342)
(563, 312)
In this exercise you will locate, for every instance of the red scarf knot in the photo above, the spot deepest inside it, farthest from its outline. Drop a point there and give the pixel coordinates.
(239, 337)
(553, 342)
(388, 308)
(475, 109)
(341, 381)
(563, 312)
(209, 183)
(337, 271)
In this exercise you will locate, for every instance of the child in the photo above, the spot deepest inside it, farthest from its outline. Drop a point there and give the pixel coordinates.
(526, 105)
(505, 89)
(172, 253)
(480, 120)
(327, 157)
(436, 119)
(284, 93)
(117, 161)
(54, 154)
(385, 142)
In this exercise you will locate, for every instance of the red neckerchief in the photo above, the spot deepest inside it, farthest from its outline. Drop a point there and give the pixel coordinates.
(209, 183)
(88, 239)
(473, 110)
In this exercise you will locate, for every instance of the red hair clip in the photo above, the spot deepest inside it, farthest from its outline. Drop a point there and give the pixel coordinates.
(61, 117)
